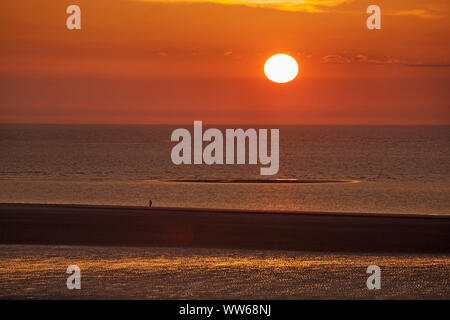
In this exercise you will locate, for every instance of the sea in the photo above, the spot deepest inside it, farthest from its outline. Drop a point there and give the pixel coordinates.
(363, 169)
(39, 272)
(376, 169)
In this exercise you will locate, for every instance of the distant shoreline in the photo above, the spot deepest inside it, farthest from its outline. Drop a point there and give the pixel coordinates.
(227, 210)
(277, 181)
(220, 228)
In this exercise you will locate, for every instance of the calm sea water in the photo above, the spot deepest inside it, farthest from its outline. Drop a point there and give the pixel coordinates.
(39, 272)
(398, 169)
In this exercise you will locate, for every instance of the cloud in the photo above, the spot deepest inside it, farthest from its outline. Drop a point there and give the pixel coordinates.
(291, 5)
(363, 59)
(429, 65)
(360, 58)
(313, 6)
(419, 13)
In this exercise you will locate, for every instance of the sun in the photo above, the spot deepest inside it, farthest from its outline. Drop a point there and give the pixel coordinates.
(281, 68)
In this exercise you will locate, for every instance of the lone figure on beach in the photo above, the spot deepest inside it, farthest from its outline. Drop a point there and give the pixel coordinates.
(150, 203)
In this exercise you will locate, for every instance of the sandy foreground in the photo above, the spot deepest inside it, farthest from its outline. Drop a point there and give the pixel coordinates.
(232, 229)
(39, 272)
(164, 253)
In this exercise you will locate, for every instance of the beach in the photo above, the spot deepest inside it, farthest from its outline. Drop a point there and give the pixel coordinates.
(233, 229)
(181, 253)
(39, 272)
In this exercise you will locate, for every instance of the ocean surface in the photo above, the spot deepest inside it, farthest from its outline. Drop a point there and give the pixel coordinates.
(382, 169)
(39, 272)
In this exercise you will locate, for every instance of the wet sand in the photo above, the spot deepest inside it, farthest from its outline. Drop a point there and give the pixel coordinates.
(232, 229)
(39, 272)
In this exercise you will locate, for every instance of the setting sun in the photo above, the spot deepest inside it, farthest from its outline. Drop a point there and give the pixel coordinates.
(281, 68)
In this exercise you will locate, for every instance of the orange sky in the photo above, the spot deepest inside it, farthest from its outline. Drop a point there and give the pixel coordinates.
(178, 61)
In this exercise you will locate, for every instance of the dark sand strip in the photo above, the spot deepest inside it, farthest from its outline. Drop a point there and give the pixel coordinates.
(141, 226)
(268, 181)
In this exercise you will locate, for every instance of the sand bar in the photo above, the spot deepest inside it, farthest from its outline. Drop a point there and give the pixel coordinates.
(209, 228)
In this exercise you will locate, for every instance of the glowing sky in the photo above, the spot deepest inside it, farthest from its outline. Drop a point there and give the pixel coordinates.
(176, 61)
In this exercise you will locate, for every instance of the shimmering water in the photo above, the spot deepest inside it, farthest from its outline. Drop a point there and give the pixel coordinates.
(398, 169)
(171, 273)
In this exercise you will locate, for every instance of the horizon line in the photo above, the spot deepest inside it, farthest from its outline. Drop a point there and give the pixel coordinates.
(234, 124)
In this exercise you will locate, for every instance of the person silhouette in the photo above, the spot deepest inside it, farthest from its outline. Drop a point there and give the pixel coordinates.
(150, 203)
